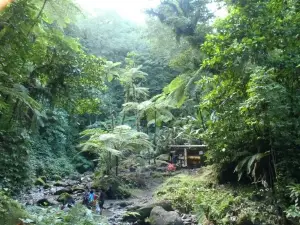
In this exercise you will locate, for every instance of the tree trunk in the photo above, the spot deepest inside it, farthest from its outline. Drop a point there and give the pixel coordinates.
(154, 138)
(149, 157)
(90, 119)
(202, 119)
(109, 162)
(117, 165)
(112, 121)
(136, 111)
(123, 118)
(137, 122)
(126, 100)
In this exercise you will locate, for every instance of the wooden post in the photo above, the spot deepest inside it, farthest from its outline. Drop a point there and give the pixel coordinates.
(185, 157)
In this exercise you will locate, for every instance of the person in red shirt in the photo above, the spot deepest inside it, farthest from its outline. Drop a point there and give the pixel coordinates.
(171, 167)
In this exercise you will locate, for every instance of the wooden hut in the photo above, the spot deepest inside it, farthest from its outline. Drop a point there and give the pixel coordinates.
(187, 156)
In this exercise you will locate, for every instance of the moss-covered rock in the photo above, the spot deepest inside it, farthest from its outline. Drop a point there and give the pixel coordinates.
(56, 177)
(40, 182)
(58, 184)
(44, 178)
(64, 198)
(44, 202)
(63, 190)
(47, 186)
(143, 212)
(10, 211)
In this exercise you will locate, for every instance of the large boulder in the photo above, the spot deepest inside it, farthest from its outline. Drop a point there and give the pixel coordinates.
(146, 210)
(60, 184)
(39, 182)
(159, 216)
(56, 177)
(143, 212)
(65, 198)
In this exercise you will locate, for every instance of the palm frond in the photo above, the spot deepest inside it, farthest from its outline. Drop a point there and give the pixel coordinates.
(130, 106)
(247, 164)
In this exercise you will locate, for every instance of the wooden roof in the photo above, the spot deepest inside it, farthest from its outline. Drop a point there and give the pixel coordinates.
(187, 146)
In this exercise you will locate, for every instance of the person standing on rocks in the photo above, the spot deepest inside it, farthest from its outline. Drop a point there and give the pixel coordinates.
(101, 200)
(109, 192)
(91, 198)
(86, 198)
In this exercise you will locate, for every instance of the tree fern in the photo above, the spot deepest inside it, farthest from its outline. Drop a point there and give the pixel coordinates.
(21, 93)
(120, 142)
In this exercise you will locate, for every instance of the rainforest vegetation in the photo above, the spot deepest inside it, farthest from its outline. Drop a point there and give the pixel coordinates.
(84, 93)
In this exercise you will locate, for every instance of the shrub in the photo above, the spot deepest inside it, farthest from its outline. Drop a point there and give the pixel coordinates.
(221, 204)
(14, 166)
(78, 215)
(10, 211)
(293, 211)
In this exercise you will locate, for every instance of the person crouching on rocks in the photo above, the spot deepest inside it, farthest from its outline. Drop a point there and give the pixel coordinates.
(171, 167)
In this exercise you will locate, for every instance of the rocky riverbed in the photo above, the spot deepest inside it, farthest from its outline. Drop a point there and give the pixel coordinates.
(137, 209)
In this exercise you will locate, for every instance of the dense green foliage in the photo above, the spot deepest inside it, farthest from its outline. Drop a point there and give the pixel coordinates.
(244, 88)
(41, 88)
(131, 90)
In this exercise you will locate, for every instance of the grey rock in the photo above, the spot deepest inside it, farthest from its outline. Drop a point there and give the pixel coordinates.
(144, 211)
(63, 190)
(159, 216)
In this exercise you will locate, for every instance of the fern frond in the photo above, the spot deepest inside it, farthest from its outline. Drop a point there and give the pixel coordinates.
(21, 93)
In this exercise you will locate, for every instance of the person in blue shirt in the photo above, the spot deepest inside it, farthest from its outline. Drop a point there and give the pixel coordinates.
(91, 196)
